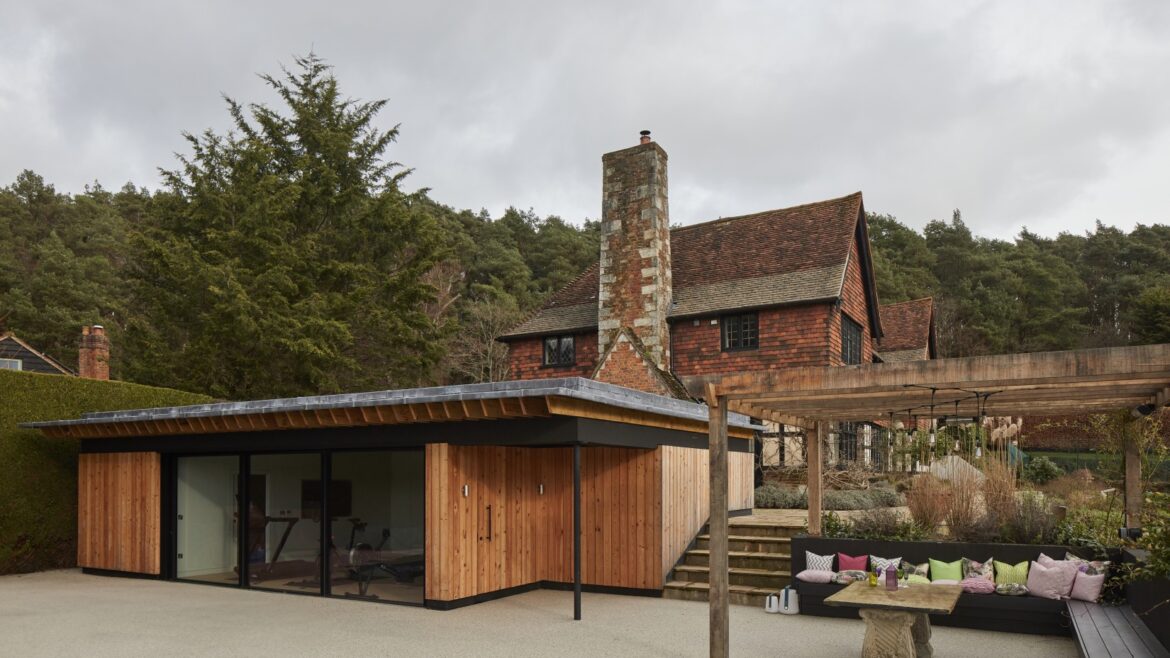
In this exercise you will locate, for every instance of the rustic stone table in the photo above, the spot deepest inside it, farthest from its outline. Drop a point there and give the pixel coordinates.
(896, 623)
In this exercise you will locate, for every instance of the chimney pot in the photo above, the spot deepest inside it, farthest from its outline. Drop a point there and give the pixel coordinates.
(645, 139)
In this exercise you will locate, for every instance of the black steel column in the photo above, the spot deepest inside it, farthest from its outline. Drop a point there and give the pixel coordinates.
(326, 525)
(243, 526)
(577, 531)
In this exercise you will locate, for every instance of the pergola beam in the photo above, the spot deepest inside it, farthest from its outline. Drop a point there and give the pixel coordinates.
(1111, 365)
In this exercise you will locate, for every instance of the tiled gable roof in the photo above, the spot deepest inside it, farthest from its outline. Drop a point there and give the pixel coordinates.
(787, 256)
(907, 325)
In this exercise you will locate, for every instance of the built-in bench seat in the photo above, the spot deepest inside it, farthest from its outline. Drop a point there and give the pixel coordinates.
(1112, 632)
(995, 612)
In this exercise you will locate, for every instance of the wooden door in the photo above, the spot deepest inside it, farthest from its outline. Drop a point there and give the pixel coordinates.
(492, 517)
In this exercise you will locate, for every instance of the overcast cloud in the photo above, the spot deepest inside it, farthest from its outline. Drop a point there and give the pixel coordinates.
(1049, 115)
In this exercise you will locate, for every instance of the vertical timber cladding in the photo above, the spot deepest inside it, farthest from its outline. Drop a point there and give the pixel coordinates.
(530, 538)
(118, 513)
(686, 497)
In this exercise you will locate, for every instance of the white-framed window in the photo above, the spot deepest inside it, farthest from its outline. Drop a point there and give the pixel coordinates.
(11, 364)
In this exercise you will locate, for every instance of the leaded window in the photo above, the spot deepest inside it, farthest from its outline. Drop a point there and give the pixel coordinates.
(850, 340)
(741, 331)
(559, 351)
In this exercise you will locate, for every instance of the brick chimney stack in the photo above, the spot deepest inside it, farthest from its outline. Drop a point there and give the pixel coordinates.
(635, 287)
(94, 356)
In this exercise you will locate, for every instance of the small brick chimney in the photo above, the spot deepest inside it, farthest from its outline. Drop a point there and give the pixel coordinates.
(635, 287)
(93, 360)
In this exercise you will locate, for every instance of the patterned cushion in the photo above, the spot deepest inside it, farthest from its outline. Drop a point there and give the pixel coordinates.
(815, 576)
(1011, 574)
(850, 575)
(852, 562)
(984, 570)
(946, 570)
(920, 570)
(1087, 587)
(978, 585)
(881, 563)
(1091, 567)
(818, 562)
(1051, 582)
(1011, 589)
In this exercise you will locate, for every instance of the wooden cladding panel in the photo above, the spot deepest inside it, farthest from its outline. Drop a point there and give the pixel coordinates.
(686, 495)
(621, 513)
(531, 536)
(118, 513)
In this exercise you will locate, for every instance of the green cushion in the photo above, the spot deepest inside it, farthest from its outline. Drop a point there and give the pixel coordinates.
(946, 570)
(918, 580)
(1008, 574)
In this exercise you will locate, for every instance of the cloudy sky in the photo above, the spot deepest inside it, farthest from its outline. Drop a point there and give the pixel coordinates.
(1049, 115)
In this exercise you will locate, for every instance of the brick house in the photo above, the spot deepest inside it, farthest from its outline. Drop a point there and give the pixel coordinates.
(776, 289)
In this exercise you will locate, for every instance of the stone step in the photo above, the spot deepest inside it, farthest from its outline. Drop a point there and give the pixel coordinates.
(774, 579)
(755, 544)
(741, 559)
(737, 594)
(746, 526)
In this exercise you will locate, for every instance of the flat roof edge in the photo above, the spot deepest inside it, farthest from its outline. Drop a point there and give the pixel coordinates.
(570, 387)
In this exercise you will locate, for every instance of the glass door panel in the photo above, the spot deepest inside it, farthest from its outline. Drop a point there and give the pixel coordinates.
(377, 515)
(206, 525)
(284, 522)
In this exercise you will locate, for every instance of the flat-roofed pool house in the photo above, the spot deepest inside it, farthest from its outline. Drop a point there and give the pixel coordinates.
(590, 467)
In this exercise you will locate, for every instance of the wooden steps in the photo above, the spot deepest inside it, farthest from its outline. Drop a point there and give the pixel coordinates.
(759, 561)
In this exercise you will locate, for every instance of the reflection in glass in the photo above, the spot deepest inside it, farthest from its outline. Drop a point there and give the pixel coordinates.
(284, 522)
(206, 526)
(377, 511)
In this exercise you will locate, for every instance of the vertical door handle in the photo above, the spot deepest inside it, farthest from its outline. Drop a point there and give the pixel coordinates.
(489, 515)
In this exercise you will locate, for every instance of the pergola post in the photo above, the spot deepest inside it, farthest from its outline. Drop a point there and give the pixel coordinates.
(1133, 475)
(717, 520)
(815, 475)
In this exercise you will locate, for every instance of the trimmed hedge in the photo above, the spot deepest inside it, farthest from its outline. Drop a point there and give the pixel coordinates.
(38, 476)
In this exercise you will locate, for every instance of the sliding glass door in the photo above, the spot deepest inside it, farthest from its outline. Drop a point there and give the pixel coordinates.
(284, 522)
(371, 501)
(207, 527)
(377, 511)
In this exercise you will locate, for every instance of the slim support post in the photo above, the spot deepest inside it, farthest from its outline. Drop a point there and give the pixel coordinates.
(718, 574)
(577, 532)
(1133, 476)
(326, 551)
(816, 441)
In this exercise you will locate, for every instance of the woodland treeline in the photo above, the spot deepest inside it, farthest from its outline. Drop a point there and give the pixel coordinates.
(285, 257)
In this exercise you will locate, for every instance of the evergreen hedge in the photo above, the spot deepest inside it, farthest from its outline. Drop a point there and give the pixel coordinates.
(38, 475)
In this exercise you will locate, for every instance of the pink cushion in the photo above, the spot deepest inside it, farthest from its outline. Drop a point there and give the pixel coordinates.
(978, 585)
(1045, 560)
(815, 576)
(851, 563)
(1051, 582)
(1087, 588)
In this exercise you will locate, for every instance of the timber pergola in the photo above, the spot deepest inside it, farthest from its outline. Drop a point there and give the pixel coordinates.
(1042, 383)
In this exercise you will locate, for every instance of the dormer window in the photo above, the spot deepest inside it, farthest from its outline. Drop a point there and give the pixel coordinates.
(559, 351)
(741, 331)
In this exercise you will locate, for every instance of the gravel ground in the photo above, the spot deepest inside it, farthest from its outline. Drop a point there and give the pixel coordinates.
(67, 613)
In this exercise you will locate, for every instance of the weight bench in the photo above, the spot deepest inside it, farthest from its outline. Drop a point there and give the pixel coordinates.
(1112, 632)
